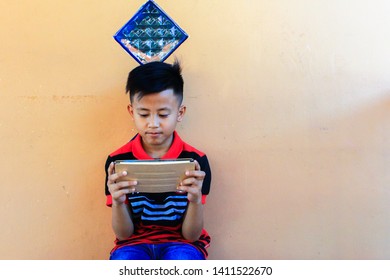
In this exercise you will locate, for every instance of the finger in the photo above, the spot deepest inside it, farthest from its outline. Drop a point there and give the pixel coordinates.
(188, 181)
(192, 192)
(121, 187)
(125, 184)
(190, 189)
(198, 174)
(193, 189)
(182, 189)
(197, 165)
(110, 169)
(115, 176)
(120, 193)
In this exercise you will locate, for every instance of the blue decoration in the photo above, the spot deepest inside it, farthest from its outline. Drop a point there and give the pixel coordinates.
(150, 35)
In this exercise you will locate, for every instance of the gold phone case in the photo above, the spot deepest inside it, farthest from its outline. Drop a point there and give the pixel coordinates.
(155, 176)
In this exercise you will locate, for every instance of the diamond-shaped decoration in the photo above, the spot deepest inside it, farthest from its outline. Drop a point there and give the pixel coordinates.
(150, 35)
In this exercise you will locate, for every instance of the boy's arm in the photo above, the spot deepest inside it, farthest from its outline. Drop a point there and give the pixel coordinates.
(122, 224)
(121, 218)
(193, 220)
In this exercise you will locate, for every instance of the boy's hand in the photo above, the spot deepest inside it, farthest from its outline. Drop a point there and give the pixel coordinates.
(193, 184)
(118, 190)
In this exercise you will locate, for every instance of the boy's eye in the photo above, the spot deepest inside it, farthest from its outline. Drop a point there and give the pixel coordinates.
(144, 115)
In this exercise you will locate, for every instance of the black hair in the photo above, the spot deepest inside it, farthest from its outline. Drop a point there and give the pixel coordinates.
(155, 77)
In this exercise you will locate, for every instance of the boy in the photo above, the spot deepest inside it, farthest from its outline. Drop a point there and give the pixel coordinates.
(164, 225)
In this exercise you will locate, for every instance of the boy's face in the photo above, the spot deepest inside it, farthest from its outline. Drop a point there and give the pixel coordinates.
(155, 117)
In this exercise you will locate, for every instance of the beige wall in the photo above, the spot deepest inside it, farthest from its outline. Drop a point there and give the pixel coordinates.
(290, 100)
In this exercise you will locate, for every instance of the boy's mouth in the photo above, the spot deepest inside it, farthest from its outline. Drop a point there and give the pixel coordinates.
(154, 133)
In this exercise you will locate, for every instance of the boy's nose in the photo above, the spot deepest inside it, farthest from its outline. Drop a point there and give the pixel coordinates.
(153, 122)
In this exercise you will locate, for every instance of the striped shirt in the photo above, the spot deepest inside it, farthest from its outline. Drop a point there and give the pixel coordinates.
(158, 217)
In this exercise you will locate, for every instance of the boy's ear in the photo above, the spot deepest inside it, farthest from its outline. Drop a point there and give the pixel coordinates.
(182, 111)
(130, 110)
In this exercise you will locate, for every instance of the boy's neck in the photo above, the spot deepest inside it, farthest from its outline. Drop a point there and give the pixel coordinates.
(157, 151)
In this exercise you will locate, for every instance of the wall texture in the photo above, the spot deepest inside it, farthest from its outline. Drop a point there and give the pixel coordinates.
(290, 100)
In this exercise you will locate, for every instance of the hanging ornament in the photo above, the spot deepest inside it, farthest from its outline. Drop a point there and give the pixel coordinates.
(150, 35)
